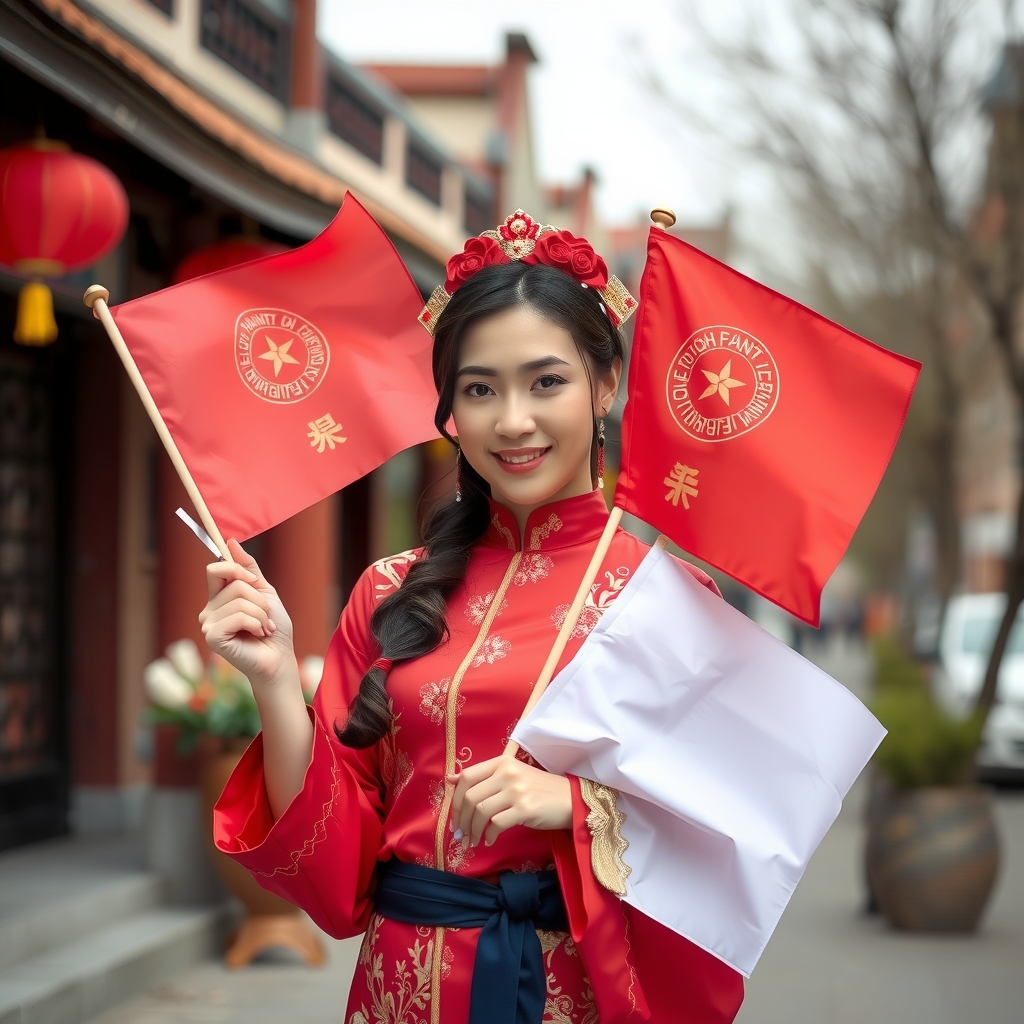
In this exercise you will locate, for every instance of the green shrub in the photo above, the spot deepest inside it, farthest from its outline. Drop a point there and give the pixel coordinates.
(925, 746)
(894, 671)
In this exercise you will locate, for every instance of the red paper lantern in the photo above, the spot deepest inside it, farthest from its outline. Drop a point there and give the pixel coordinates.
(221, 255)
(59, 211)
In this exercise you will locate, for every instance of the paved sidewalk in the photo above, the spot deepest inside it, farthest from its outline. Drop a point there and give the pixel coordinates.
(828, 963)
(282, 992)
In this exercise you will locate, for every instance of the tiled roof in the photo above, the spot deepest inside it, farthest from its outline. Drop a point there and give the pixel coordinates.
(437, 79)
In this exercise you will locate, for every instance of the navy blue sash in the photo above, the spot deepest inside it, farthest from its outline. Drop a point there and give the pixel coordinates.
(508, 975)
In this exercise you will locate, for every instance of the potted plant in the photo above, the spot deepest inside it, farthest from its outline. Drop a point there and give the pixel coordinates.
(192, 703)
(205, 716)
(932, 850)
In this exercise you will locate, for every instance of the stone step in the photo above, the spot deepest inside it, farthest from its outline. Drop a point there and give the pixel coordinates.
(55, 892)
(56, 922)
(73, 982)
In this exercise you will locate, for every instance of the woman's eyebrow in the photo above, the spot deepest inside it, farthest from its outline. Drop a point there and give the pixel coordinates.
(540, 364)
(534, 364)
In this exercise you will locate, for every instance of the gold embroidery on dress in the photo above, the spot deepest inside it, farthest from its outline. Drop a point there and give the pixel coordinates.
(629, 959)
(319, 827)
(411, 990)
(478, 604)
(505, 532)
(598, 601)
(608, 844)
(559, 1007)
(388, 568)
(533, 568)
(493, 649)
(542, 532)
(435, 978)
(434, 700)
(395, 765)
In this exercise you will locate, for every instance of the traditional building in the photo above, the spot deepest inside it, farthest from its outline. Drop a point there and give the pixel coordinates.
(220, 118)
(482, 113)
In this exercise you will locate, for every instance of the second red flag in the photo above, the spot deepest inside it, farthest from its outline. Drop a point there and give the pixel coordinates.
(756, 431)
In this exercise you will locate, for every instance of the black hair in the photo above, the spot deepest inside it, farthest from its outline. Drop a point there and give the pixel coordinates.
(410, 622)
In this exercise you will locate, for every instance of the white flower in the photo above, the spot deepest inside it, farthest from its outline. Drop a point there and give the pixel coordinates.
(186, 659)
(166, 688)
(310, 672)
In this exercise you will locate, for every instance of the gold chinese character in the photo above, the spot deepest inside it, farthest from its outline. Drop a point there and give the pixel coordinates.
(682, 481)
(324, 432)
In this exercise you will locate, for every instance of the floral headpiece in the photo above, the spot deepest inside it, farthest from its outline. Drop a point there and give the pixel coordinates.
(522, 238)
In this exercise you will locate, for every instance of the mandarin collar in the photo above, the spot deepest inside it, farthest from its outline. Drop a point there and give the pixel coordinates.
(559, 524)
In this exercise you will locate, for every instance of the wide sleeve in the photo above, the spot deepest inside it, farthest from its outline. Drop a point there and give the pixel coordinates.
(640, 970)
(321, 853)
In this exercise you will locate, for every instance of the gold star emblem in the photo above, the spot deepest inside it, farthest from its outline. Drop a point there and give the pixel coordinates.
(278, 354)
(721, 382)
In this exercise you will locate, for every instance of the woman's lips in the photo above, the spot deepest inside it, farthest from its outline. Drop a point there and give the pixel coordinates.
(520, 460)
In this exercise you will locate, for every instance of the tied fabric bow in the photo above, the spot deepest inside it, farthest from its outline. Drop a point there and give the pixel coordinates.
(508, 974)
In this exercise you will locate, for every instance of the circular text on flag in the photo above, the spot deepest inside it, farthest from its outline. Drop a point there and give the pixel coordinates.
(721, 383)
(281, 357)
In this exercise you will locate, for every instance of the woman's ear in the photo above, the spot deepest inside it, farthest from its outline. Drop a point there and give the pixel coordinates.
(607, 388)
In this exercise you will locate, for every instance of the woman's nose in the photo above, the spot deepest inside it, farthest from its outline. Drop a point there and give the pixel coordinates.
(515, 420)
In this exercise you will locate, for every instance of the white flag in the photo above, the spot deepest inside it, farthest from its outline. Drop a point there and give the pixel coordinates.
(732, 755)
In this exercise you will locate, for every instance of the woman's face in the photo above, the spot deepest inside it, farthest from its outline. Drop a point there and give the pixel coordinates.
(524, 409)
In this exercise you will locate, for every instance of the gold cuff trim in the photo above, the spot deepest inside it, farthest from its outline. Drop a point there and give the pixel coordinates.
(608, 844)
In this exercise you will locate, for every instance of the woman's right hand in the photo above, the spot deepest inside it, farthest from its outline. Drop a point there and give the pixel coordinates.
(244, 620)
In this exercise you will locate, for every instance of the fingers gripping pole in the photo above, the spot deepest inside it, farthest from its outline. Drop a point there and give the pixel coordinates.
(558, 648)
(96, 299)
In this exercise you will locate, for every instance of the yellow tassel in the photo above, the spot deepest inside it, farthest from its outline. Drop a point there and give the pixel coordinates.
(35, 324)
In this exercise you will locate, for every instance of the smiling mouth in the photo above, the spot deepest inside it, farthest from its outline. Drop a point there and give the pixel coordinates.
(521, 458)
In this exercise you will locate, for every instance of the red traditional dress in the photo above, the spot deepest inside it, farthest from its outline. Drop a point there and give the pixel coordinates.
(451, 708)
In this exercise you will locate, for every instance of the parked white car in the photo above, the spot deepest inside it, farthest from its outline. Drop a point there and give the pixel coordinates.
(968, 630)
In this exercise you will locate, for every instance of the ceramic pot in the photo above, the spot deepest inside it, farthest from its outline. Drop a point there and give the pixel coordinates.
(175, 840)
(933, 856)
(256, 899)
(171, 770)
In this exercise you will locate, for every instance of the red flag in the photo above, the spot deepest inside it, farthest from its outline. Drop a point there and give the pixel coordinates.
(756, 431)
(284, 379)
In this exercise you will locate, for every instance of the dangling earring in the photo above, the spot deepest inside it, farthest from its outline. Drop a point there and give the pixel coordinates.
(600, 453)
(458, 474)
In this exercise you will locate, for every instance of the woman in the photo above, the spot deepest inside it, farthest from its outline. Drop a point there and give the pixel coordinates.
(390, 808)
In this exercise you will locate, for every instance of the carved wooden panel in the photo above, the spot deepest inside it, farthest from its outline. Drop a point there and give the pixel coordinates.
(27, 640)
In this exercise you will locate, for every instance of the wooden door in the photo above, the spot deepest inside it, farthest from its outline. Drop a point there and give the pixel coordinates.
(33, 761)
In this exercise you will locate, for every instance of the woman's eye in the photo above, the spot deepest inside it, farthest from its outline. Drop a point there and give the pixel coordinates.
(549, 381)
(478, 391)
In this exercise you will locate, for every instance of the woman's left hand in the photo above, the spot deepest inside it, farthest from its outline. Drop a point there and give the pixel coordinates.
(495, 795)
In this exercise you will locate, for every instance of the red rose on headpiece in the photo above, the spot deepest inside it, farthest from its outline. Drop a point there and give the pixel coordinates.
(476, 254)
(574, 256)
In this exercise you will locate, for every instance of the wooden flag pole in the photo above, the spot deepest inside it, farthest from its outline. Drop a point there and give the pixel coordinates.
(95, 298)
(664, 218)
